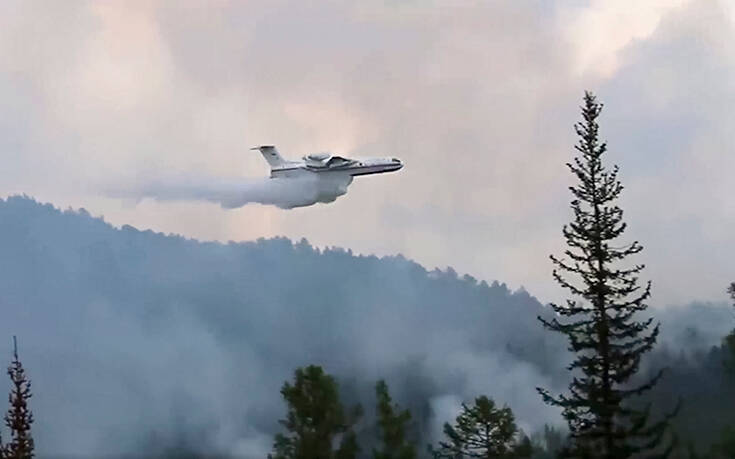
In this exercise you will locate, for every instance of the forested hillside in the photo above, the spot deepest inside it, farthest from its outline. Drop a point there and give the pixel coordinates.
(135, 339)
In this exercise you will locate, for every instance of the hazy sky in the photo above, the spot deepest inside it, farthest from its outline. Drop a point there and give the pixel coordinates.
(478, 99)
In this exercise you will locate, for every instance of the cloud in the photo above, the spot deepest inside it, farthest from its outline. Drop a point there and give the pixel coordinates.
(600, 30)
(671, 133)
(478, 99)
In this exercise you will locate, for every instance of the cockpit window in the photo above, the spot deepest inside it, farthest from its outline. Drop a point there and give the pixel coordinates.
(337, 160)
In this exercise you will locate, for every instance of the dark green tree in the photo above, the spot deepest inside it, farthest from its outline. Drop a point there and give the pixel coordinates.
(725, 448)
(601, 323)
(728, 343)
(316, 419)
(547, 444)
(393, 424)
(483, 431)
(19, 417)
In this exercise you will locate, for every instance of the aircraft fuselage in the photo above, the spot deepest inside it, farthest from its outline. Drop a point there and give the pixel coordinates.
(342, 166)
(321, 177)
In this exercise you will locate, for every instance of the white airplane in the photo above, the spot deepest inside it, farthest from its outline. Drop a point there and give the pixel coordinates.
(316, 178)
(319, 177)
(324, 163)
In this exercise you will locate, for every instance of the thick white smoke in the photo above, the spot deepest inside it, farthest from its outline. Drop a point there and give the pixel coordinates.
(231, 193)
(137, 341)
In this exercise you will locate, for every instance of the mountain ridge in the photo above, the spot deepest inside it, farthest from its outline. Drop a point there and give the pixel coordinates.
(276, 303)
(129, 332)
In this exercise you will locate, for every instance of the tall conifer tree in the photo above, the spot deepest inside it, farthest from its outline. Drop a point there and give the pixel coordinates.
(725, 448)
(316, 419)
(601, 321)
(19, 417)
(393, 423)
(728, 343)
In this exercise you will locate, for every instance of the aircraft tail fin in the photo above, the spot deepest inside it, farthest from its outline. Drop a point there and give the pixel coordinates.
(271, 155)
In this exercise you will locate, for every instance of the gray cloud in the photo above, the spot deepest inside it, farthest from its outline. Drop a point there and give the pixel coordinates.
(478, 100)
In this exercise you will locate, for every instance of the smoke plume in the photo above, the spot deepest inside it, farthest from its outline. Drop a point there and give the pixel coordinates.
(232, 193)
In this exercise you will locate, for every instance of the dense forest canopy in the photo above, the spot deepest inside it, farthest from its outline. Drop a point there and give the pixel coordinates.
(136, 339)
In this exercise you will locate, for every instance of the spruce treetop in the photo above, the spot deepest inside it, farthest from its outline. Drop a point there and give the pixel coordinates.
(600, 320)
(19, 417)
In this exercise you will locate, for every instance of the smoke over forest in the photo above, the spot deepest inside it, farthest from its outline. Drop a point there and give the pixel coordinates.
(138, 340)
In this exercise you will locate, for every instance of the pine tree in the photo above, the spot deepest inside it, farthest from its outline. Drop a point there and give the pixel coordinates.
(483, 431)
(548, 444)
(315, 419)
(601, 324)
(392, 423)
(19, 418)
(728, 342)
(725, 448)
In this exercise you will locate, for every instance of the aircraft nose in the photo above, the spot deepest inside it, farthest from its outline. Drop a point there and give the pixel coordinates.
(397, 162)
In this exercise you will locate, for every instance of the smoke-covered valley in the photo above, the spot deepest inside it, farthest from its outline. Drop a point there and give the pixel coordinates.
(139, 341)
